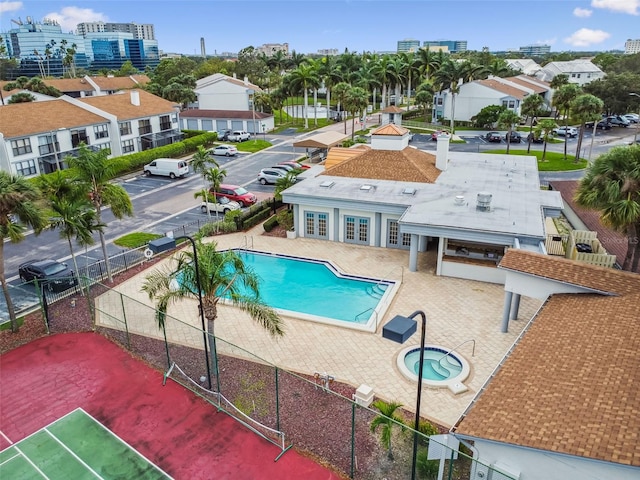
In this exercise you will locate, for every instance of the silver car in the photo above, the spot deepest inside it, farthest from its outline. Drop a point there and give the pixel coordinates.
(221, 205)
(270, 175)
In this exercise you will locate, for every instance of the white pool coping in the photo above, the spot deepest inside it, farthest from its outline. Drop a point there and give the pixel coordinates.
(454, 384)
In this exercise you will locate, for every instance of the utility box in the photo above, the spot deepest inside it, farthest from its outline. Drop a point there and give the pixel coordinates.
(363, 395)
(162, 244)
(399, 329)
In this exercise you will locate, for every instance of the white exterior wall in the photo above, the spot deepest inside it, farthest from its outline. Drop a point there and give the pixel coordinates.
(357, 213)
(302, 209)
(384, 231)
(223, 95)
(537, 464)
(472, 98)
(389, 142)
(537, 287)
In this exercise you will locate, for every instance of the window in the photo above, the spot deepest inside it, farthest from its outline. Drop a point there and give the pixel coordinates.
(25, 168)
(101, 131)
(78, 137)
(128, 146)
(316, 225)
(504, 103)
(393, 236)
(48, 144)
(512, 104)
(356, 230)
(165, 122)
(21, 146)
(125, 128)
(439, 101)
(103, 146)
(144, 126)
(573, 75)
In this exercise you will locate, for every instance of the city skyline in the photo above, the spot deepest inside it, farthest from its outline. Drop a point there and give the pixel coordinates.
(310, 25)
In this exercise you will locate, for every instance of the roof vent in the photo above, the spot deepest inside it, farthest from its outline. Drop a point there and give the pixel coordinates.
(484, 202)
(366, 187)
(409, 191)
(459, 200)
(327, 184)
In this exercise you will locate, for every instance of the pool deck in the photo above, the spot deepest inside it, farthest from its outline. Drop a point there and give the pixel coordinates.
(457, 311)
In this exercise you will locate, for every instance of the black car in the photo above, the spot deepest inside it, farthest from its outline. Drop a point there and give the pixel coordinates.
(602, 125)
(223, 135)
(515, 137)
(55, 275)
(493, 137)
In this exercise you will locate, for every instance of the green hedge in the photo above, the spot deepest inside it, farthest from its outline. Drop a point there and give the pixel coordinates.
(270, 224)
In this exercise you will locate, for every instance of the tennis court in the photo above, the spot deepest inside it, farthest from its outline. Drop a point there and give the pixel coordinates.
(75, 446)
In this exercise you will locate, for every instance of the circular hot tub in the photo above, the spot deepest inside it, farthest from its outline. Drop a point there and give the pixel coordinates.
(441, 368)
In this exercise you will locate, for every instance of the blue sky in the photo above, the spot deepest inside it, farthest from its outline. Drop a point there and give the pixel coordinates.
(358, 25)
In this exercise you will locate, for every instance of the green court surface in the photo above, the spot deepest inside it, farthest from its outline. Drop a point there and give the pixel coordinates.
(75, 446)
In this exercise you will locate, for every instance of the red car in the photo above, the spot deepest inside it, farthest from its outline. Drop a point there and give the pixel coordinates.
(295, 165)
(236, 193)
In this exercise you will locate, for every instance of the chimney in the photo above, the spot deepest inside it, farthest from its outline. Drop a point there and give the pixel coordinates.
(442, 151)
(484, 202)
(135, 98)
(246, 80)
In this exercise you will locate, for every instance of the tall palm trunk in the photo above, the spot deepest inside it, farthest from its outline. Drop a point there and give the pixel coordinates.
(544, 150)
(328, 103)
(103, 244)
(632, 257)
(306, 109)
(7, 295)
(508, 140)
(75, 264)
(315, 107)
(453, 112)
(579, 146)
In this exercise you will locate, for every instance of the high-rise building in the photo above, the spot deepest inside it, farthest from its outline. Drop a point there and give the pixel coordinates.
(535, 50)
(139, 31)
(408, 45)
(454, 46)
(42, 49)
(632, 46)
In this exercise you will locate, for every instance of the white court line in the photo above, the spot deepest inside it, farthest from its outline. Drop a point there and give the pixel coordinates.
(31, 463)
(6, 438)
(82, 462)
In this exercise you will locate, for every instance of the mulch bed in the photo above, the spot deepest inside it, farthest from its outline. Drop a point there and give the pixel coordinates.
(317, 422)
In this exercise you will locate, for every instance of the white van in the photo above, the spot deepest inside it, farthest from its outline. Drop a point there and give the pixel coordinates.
(168, 167)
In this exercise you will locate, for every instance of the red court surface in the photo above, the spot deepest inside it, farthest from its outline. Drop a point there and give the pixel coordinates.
(172, 427)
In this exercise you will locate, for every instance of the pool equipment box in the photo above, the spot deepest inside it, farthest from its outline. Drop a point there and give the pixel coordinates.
(363, 395)
(162, 244)
(399, 329)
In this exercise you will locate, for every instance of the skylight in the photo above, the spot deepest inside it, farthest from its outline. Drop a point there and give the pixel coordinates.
(409, 191)
(327, 184)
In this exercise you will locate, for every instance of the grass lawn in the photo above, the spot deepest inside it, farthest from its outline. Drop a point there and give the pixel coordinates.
(252, 146)
(554, 162)
(135, 239)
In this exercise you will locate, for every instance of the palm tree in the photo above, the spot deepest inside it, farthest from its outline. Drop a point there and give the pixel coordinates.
(508, 119)
(289, 180)
(531, 106)
(424, 97)
(450, 76)
(305, 77)
(382, 69)
(387, 419)
(94, 173)
(612, 186)
(544, 130)
(559, 80)
(396, 73)
(411, 71)
(200, 163)
(222, 275)
(329, 73)
(368, 80)
(18, 209)
(341, 90)
(562, 101)
(427, 63)
(356, 101)
(585, 108)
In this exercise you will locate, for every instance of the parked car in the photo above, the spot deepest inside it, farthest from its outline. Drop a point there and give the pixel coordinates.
(221, 205)
(632, 117)
(235, 193)
(223, 135)
(618, 121)
(270, 175)
(493, 137)
(533, 139)
(568, 132)
(56, 276)
(168, 167)
(238, 136)
(285, 168)
(301, 166)
(227, 150)
(515, 137)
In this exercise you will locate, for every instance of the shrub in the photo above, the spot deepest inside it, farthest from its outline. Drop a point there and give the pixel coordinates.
(271, 223)
(285, 219)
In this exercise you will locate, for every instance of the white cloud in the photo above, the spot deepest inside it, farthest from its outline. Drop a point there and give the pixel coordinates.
(585, 37)
(70, 17)
(10, 6)
(632, 7)
(582, 12)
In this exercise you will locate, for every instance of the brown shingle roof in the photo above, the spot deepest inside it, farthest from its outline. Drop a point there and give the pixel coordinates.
(601, 279)
(408, 165)
(390, 129)
(69, 84)
(392, 109)
(533, 86)
(571, 384)
(120, 83)
(501, 87)
(21, 119)
(120, 105)
(613, 242)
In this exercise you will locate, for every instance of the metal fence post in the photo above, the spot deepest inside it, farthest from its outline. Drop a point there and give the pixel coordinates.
(277, 403)
(353, 438)
(126, 325)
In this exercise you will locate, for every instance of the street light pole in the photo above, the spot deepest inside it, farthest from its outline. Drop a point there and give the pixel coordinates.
(635, 137)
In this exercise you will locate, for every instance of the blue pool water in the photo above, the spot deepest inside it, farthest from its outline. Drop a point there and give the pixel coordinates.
(312, 287)
(435, 366)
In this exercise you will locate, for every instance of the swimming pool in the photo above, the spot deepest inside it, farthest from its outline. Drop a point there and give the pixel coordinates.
(316, 290)
(441, 367)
